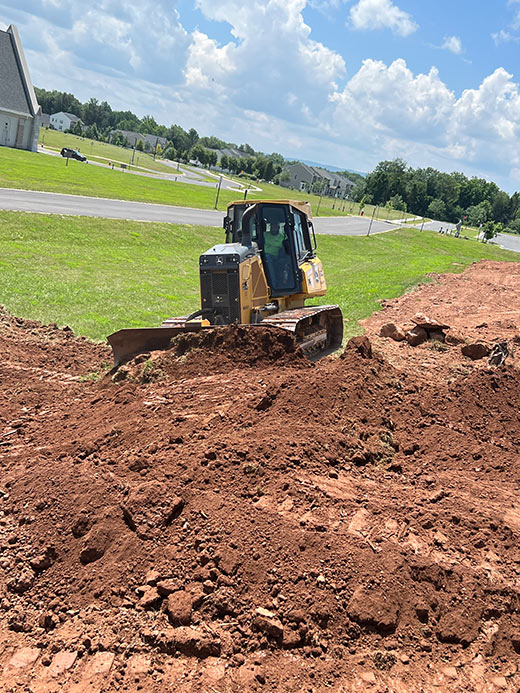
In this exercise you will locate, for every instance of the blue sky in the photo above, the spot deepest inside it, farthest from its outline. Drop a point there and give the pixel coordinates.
(343, 82)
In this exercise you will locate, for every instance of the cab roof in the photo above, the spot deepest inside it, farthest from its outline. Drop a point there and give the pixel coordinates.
(304, 207)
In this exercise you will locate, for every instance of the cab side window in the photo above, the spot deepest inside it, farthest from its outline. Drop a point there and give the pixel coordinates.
(300, 236)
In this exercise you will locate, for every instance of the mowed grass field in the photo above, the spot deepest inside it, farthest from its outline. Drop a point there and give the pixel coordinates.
(101, 151)
(30, 171)
(99, 275)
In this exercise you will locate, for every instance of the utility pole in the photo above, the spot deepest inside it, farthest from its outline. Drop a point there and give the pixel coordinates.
(422, 225)
(218, 191)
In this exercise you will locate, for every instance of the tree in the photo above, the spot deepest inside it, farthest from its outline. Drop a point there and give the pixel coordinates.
(199, 153)
(92, 132)
(397, 202)
(77, 129)
(193, 137)
(285, 176)
(169, 153)
(500, 207)
(139, 146)
(437, 209)
(490, 230)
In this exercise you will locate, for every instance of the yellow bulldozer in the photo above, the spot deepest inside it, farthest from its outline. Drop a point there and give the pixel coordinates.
(262, 275)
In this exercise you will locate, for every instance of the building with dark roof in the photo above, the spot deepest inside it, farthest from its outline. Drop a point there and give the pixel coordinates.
(20, 113)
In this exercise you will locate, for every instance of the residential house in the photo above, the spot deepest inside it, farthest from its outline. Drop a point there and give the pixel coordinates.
(20, 113)
(46, 120)
(336, 185)
(134, 137)
(63, 121)
(300, 176)
(230, 152)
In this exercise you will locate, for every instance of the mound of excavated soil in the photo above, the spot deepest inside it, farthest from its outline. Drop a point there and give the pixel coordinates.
(480, 306)
(217, 350)
(342, 526)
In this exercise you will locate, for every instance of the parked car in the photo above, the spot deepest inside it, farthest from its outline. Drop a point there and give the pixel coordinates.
(72, 154)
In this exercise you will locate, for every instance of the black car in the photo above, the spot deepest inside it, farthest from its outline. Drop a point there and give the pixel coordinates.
(72, 154)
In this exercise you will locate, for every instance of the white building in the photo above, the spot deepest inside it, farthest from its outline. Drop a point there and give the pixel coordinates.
(63, 121)
(20, 113)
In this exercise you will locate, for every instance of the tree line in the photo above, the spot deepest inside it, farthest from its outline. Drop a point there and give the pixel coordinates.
(443, 196)
(100, 123)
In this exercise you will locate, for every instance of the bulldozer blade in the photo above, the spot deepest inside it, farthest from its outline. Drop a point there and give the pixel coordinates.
(127, 343)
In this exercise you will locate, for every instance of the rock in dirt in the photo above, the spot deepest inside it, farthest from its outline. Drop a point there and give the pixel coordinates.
(416, 336)
(268, 623)
(192, 642)
(374, 608)
(96, 543)
(360, 345)
(392, 331)
(454, 338)
(428, 323)
(150, 597)
(150, 507)
(44, 560)
(179, 608)
(457, 626)
(475, 351)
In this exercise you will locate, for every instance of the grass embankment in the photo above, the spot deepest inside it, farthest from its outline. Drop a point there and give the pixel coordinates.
(98, 275)
(102, 151)
(30, 171)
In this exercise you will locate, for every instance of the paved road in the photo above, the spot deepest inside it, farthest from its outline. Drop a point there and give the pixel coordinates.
(349, 226)
(56, 203)
(506, 240)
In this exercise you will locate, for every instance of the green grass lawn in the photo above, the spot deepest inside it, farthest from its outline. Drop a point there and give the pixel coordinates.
(30, 171)
(100, 151)
(98, 275)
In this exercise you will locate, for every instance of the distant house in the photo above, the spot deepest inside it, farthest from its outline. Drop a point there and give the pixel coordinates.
(300, 176)
(230, 152)
(46, 119)
(20, 113)
(134, 137)
(63, 121)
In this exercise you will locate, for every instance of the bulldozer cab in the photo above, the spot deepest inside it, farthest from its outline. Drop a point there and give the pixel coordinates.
(280, 232)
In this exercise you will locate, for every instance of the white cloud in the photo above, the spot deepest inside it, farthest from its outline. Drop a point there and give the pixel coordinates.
(392, 112)
(381, 14)
(453, 44)
(271, 65)
(503, 36)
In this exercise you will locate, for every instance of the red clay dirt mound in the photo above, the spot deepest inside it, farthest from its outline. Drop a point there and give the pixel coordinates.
(479, 306)
(345, 526)
(216, 351)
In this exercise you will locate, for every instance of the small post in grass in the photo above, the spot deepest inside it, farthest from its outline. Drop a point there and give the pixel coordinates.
(319, 203)
(245, 193)
(422, 225)
(371, 221)
(218, 191)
